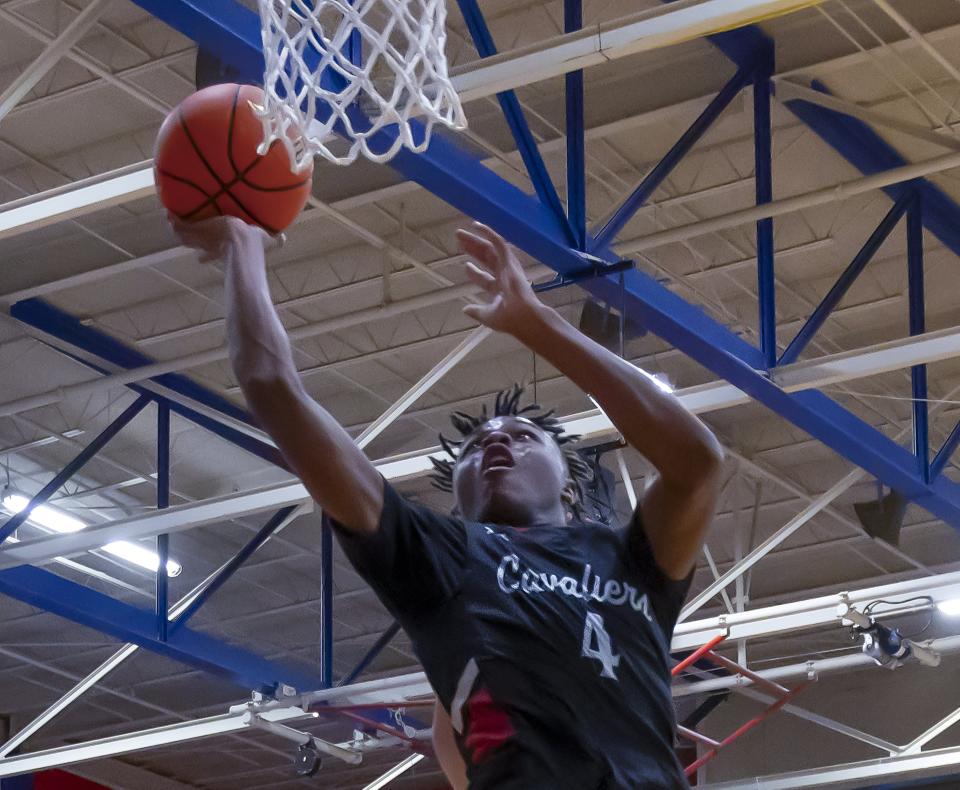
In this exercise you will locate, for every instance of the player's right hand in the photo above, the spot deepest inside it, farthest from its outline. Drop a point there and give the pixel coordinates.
(213, 238)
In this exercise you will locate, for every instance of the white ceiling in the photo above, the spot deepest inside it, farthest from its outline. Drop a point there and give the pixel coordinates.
(74, 125)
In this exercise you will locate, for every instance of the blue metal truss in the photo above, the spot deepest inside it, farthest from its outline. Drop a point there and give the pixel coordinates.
(763, 177)
(452, 174)
(866, 150)
(652, 181)
(576, 137)
(93, 609)
(96, 610)
(11, 525)
(510, 105)
(60, 324)
(232, 33)
(917, 320)
(843, 283)
(57, 322)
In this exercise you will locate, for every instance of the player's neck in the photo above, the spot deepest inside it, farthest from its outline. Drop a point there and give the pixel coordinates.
(555, 516)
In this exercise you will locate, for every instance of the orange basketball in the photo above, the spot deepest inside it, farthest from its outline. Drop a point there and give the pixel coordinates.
(206, 162)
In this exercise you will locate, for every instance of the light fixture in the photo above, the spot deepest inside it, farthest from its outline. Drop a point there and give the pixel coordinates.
(51, 519)
(44, 516)
(950, 607)
(136, 554)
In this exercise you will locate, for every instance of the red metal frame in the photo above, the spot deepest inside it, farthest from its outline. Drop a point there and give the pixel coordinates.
(697, 654)
(783, 695)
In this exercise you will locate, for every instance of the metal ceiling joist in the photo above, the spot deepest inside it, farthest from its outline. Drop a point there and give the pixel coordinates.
(756, 624)
(403, 687)
(592, 426)
(77, 199)
(233, 34)
(47, 59)
(862, 147)
(645, 31)
(810, 613)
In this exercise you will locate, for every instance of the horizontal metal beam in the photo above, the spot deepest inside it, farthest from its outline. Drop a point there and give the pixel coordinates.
(384, 690)
(597, 44)
(137, 741)
(862, 147)
(76, 199)
(810, 613)
(788, 91)
(592, 426)
(169, 521)
(931, 763)
(776, 208)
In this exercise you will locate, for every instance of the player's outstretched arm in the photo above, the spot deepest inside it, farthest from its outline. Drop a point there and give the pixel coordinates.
(679, 504)
(334, 470)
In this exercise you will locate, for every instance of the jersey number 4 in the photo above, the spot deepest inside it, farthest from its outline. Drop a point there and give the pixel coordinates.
(597, 644)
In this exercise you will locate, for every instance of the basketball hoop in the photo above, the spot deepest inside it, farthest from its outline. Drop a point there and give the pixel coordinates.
(341, 72)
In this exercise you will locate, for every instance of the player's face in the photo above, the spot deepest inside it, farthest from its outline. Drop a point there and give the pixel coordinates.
(510, 472)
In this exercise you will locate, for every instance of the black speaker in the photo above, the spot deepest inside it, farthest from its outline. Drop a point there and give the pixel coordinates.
(883, 518)
(602, 324)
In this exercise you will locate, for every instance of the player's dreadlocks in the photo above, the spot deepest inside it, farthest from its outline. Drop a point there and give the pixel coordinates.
(507, 404)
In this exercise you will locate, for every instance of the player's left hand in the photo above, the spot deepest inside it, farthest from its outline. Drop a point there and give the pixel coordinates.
(498, 272)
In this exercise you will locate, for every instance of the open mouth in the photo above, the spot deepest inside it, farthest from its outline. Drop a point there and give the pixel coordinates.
(497, 456)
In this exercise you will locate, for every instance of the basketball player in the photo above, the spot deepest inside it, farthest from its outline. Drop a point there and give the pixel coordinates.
(546, 638)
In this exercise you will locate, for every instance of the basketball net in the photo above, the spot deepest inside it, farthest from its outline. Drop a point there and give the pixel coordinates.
(347, 78)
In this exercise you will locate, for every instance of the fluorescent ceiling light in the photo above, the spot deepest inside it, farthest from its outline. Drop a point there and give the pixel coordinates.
(139, 555)
(950, 607)
(43, 515)
(54, 520)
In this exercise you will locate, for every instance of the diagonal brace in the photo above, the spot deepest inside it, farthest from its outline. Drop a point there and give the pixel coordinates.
(680, 149)
(510, 105)
(74, 466)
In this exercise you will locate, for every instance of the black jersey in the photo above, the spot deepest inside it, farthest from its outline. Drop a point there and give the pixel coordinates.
(548, 646)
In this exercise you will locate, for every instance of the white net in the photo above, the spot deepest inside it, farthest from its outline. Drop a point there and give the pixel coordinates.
(339, 74)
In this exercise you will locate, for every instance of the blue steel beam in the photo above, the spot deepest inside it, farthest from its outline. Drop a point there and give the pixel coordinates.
(917, 303)
(814, 412)
(74, 466)
(163, 502)
(763, 177)
(57, 322)
(60, 324)
(326, 604)
(680, 149)
(93, 609)
(845, 280)
(455, 176)
(576, 142)
(853, 139)
(866, 150)
(510, 106)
